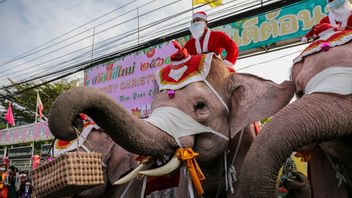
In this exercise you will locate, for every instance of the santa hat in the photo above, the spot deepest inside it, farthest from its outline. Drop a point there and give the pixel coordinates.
(201, 15)
(181, 57)
(319, 30)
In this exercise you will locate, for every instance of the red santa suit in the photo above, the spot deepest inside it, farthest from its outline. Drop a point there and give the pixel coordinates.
(214, 41)
(339, 18)
(344, 25)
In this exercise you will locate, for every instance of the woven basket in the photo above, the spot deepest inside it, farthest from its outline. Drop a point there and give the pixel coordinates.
(68, 174)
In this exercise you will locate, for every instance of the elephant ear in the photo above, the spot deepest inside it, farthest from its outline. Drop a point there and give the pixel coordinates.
(253, 98)
(120, 163)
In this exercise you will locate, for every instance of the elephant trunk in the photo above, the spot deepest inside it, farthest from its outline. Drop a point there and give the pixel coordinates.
(132, 133)
(311, 119)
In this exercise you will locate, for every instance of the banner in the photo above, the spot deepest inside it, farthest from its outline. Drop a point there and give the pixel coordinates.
(130, 79)
(280, 25)
(27, 133)
(25, 152)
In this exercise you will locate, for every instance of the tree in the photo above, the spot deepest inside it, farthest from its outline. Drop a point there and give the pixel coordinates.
(24, 103)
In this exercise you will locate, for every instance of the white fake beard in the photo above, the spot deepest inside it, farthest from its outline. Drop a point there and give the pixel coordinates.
(341, 13)
(197, 29)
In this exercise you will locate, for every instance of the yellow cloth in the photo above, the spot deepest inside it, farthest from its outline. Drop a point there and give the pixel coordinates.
(194, 170)
(213, 3)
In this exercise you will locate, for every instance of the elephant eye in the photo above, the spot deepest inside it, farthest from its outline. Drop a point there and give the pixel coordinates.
(199, 105)
(299, 94)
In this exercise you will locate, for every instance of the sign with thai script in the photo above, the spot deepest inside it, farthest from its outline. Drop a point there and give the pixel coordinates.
(20, 152)
(289, 22)
(130, 79)
(27, 133)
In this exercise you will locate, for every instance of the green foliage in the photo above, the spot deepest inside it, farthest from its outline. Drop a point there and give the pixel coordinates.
(28, 99)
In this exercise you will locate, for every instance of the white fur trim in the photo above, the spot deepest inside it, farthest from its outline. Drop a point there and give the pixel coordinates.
(342, 41)
(175, 63)
(325, 32)
(304, 39)
(205, 43)
(198, 47)
(206, 40)
(199, 15)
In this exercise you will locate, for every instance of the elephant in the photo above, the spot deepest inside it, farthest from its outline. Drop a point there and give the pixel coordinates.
(222, 107)
(116, 162)
(317, 124)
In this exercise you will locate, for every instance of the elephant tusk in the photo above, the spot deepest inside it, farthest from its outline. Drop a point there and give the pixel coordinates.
(144, 165)
(172, 165)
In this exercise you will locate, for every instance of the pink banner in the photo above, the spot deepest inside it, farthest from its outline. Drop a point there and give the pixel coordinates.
(27, 133)
(130, 80)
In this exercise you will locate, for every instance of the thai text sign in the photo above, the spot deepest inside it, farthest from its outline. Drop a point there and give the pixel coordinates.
(130, 80)
(292, 21)
(27, 133)
(20, 152)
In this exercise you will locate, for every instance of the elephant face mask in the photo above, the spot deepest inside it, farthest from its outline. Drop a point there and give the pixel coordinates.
(178, 124)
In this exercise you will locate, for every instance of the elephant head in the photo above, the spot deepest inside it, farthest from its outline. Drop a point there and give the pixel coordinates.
(116, 161)
(321, 115)
(221, 104)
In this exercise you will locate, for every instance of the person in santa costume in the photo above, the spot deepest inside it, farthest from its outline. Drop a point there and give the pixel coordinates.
(339, 17)
(320, 30)
(205, 40)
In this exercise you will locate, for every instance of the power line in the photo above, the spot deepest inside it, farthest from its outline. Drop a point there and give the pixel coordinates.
(37, 47)
(33, 67)
(127, 34)
(60, 71)
(70, 44)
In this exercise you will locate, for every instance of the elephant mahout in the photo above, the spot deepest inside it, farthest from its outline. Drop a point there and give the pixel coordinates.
(318, 124)
(202, 106)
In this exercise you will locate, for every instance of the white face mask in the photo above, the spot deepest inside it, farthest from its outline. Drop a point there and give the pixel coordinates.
(340, 9)
(178, 124)
(197, 29)
(336, 4)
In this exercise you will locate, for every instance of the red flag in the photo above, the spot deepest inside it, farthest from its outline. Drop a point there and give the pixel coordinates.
(9, 116)
(40, 106)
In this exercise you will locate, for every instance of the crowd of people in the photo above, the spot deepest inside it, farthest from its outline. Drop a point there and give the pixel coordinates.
(15, 184)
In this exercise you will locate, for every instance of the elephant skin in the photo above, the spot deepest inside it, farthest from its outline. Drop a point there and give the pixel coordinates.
(118, 162)
(321, 122)
(248, 97)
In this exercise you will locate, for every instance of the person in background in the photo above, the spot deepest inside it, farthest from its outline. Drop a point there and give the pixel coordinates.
(10, 182)
(339, 18)
(3, 187)
(26, 188)
(205, 40)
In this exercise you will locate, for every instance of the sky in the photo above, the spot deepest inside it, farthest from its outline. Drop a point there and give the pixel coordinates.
(28, 24)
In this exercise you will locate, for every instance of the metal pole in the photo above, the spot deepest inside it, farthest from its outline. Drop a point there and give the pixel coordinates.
(138, 25)
(36, 108)
(93, 43)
